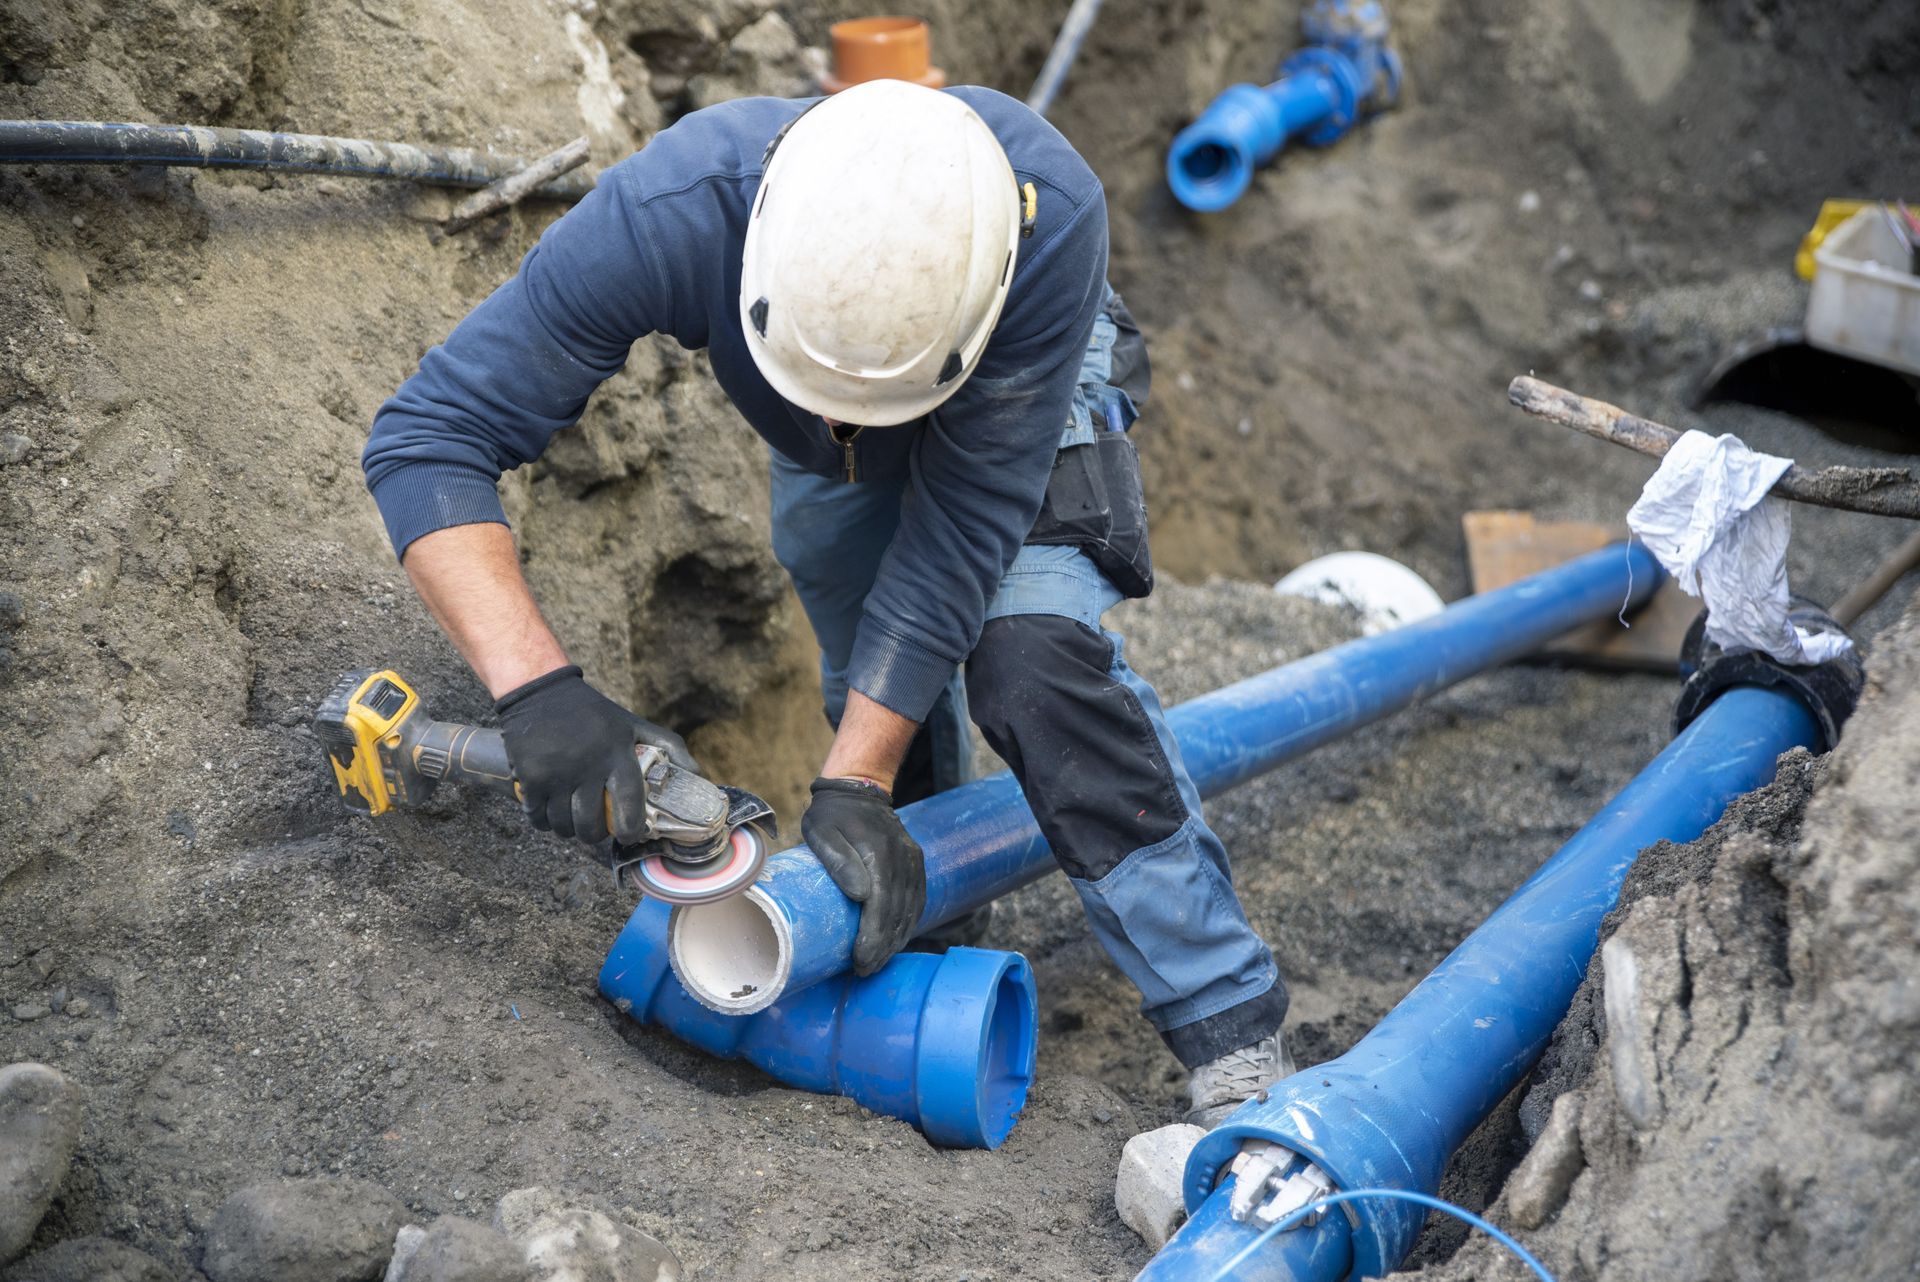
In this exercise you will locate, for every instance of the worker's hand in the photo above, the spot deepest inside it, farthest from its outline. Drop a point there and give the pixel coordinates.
(851, 827)
(571, 749)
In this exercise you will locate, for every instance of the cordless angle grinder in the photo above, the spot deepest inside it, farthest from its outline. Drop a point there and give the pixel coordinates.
(705, 842)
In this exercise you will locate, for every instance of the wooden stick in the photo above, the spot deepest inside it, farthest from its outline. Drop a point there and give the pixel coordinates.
(1864, 595)
(1880, 491)
(515, 187)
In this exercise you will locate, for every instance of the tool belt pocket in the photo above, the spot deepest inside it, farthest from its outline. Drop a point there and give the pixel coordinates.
(1095, 502)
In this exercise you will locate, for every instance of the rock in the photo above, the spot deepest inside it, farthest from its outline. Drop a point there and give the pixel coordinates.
(454, 1249)
(1147, 1192)
(570, 1244)
(1539, 1185)
(14, 448)
(79, 1008)
(26, 1012)
(89, 1259)
(13, 610)
(405, 1243)
(1633, 1001)
(320, 1230)
(39, 1126)
(768, 43)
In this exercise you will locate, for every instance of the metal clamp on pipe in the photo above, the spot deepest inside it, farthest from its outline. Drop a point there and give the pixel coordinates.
(1346, 72)
(944, 1043)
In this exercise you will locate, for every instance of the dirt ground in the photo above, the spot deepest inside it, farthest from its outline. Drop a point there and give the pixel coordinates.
(1604, 192)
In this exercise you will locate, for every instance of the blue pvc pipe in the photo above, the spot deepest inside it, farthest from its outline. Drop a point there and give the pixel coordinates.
(980, 840)
(1346, 70)
(1207, 1243)
(945, 1043)
(1212, 160)
(1391, 1111)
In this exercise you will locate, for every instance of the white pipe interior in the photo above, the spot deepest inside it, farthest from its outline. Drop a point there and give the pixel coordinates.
(733, 955)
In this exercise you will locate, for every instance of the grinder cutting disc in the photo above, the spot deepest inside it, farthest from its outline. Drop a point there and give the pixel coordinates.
(680, 882)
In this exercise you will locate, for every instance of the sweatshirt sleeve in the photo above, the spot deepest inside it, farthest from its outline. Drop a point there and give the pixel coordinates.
(519, 368)
(978, 475)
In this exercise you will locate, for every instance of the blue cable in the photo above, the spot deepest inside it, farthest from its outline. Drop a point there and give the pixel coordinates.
(1404, 1195)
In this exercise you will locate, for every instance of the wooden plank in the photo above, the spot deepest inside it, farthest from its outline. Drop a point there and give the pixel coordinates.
(1505, 546)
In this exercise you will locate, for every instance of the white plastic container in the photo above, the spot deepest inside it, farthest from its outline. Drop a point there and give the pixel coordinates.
(1385, 593)
(1865, 301)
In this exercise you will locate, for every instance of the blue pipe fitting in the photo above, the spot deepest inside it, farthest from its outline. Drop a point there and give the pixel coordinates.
(944, 1043)
(1210, 1239)
(1346, 72)
(794, 928)
(1391, 1111)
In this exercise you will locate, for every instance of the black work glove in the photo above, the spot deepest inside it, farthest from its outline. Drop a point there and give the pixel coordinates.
(851, 827)
(571, 749)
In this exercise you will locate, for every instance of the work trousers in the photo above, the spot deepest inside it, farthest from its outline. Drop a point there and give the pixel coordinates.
(1052, 693)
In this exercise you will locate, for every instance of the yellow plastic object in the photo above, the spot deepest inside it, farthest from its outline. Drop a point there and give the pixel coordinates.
(373, 710)
(1832, 214)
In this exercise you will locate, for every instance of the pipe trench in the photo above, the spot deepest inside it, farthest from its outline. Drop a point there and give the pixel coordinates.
(1391, 1111)
(795, 929)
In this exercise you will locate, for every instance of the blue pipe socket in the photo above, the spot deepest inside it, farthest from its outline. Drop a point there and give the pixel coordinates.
(1391, 1111)
(794, 928)
(944, 1043)
(1346, 72)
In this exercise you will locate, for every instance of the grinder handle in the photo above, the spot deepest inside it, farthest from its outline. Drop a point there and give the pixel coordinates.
(462, 753)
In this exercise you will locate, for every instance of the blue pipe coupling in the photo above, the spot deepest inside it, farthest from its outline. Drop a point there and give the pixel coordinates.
(1346, 72)
(944, 1043)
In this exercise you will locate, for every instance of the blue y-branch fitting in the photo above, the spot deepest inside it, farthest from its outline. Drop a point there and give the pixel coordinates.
(794, 928)
(1346, 72)
(1391, 1111)
(944, 1043)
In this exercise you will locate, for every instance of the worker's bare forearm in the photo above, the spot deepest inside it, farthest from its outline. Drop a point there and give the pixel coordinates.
(871, 742)
(469, 577)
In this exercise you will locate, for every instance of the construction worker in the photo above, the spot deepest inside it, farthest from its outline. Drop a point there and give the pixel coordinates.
(904, 292)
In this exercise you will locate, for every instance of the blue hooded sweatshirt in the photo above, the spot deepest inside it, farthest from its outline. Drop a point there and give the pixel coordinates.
(656, 248)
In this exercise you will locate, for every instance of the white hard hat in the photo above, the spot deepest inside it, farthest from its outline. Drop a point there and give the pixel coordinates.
(878, 253)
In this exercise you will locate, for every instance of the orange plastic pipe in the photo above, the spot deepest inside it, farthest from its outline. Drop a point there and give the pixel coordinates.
(881, 49)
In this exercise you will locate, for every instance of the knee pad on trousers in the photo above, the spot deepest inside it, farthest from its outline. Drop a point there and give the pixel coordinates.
(1042, 690)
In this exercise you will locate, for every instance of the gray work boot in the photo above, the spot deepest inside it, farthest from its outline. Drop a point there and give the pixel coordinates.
(1218, 1087)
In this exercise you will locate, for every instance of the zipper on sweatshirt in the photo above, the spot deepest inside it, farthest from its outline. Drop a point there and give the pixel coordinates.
(850, 466)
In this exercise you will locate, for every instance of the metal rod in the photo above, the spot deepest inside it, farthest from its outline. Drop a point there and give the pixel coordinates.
(1878, 491)
(1864, 595)
(1066, 47)
(515, 188)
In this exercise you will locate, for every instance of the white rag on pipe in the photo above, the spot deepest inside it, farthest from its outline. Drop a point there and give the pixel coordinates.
(1706, 515)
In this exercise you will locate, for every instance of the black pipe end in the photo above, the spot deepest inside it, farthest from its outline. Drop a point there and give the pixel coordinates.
(1830, 690)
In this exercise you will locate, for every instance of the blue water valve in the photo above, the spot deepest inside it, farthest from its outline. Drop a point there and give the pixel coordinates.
(1346, 72)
